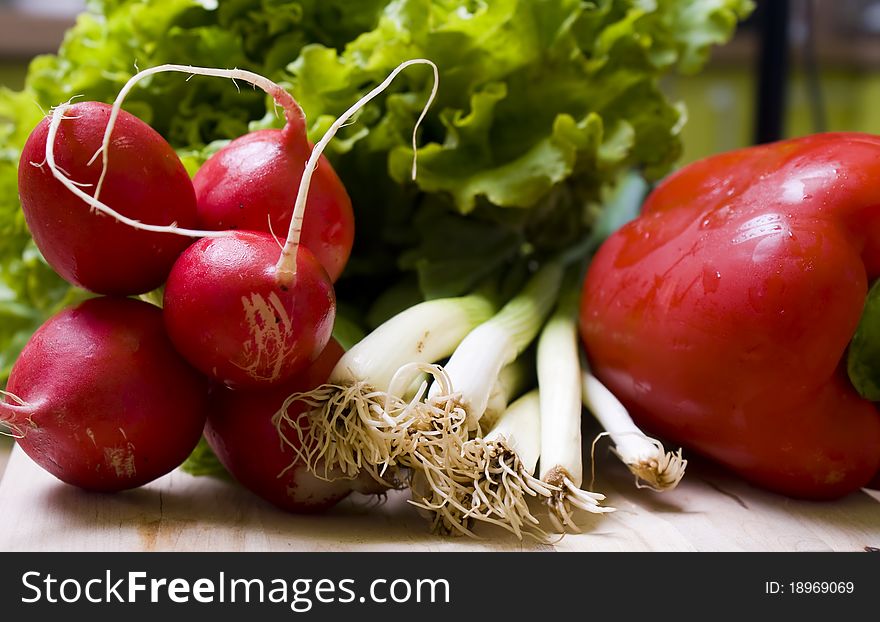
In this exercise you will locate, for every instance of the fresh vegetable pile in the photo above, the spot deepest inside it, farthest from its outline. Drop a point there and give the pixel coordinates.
(243, 332)
(456, 297)
(542, 104)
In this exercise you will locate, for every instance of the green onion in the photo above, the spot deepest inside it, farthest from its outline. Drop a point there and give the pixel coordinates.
(457, 476)
(476, 364)
(355, 421)
(512, 381)
(652, 466)
(488, 478)
(559, 379)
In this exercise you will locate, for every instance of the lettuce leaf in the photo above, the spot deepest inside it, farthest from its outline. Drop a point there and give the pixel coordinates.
(203, 461)
(542, 104)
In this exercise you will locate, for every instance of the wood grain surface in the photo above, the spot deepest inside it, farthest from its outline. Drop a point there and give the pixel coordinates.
(709, 511)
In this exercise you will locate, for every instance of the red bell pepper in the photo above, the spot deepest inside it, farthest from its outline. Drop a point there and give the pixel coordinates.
(721, 316)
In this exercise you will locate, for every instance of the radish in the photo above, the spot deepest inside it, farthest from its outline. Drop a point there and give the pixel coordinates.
(241, 432)
(238, 309)
(100, 399)
(147, 180)
(231, 316)
(251, 185)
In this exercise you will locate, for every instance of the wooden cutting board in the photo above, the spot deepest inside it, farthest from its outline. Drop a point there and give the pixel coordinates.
(709, 511)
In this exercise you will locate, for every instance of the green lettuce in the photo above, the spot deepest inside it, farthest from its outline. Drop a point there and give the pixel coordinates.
(542, 105)
(203, 461)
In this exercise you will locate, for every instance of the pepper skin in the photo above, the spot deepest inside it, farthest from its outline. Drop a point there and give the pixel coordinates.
(721, 316)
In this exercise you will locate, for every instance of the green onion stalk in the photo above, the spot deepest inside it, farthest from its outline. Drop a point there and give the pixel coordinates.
(485, 478)
(652, 466)
(559, 379)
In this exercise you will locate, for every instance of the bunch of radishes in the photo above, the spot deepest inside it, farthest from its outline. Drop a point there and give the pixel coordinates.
(116, 392)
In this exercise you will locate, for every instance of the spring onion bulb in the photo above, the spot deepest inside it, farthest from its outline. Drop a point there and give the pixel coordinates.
(445, 511)
(559, 379)
(353, 422)
(474, 369)
(645, 457)
(449, 417)
(490, 478)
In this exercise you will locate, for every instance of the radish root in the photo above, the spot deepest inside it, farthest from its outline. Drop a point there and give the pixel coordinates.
(13, 415)
(58, 115)
(293, 113)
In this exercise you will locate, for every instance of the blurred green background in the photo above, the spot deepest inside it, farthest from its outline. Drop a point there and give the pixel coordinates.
(12, 74)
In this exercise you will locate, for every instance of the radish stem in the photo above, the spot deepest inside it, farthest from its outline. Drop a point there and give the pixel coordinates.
(286, 267)
(644, 456)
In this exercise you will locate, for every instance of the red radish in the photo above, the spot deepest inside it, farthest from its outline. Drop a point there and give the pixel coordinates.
(245, 439)
(229, 315)
(251, 184)
(146, 181)
(290, 289)
(101, 400)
